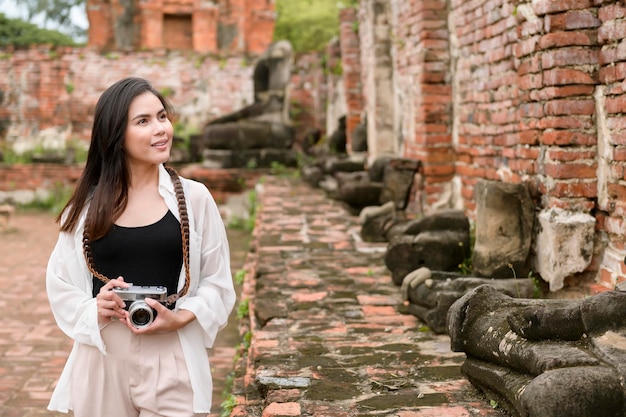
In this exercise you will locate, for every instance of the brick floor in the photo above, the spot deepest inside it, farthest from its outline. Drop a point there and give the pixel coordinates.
(32, 349)
(327, 335)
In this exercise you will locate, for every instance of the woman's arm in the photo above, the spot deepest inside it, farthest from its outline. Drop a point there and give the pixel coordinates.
(69, 293)
(214, 298)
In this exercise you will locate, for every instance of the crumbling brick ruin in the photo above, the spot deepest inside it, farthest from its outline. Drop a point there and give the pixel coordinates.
(233, 26)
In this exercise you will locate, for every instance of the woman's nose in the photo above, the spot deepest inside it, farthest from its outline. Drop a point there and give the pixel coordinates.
(159, 127)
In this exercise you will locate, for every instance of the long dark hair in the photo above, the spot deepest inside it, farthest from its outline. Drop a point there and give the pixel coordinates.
(106, 177)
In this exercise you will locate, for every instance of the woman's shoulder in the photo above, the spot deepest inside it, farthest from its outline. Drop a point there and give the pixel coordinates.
(195, 187)
(197, 192)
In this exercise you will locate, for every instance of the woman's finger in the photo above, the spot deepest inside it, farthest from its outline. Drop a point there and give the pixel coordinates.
(114, 283)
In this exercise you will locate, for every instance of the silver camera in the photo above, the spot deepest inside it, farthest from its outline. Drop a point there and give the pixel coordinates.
(140, 313)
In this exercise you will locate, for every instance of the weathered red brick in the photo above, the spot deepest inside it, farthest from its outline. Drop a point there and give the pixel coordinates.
(570, 107)
(570, 170)
(542, 7)
(568, 56)
(571, 20)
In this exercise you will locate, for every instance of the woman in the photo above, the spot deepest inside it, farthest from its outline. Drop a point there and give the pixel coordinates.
(132, 220)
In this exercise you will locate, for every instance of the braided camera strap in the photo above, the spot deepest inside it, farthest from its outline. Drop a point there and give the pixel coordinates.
(184, 231)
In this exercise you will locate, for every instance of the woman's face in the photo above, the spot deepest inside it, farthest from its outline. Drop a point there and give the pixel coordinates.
(149, 132)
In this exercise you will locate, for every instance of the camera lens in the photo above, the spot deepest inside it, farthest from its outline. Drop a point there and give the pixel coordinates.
(141, 314)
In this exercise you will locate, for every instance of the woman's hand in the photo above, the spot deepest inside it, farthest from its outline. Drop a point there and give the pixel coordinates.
(110, 305)
(166, 320)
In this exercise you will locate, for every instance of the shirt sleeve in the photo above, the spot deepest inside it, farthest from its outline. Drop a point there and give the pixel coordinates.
(214, 297)
(69, 293)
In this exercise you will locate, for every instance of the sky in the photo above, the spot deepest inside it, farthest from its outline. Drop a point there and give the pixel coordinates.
(13, 9)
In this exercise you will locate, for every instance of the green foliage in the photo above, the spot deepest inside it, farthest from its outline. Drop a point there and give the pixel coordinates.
(296, 111)
(198, 60)
(21, 34)
(237, 223)
(230, 400)
(76, 147)
(240, 276)
(57, 12)
(307, 24)
(243, 309)
(184, 132)
(227, 405)
(466, 267)
(253, 202)
(79, 148)
(252, 163)
(280, 170)
(53, 202)
(336, 69)
(246, 62)
(248, 223)
(9, 156)
(167, 92)
(537, 291)
(303, 160)
(247, 339)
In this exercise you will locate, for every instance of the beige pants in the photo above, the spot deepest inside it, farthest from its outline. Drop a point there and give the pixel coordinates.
(141, 376)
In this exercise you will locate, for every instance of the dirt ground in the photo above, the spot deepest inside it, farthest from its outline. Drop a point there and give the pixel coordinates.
(32, 349)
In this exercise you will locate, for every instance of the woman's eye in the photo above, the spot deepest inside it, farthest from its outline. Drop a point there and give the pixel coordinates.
(163, 116)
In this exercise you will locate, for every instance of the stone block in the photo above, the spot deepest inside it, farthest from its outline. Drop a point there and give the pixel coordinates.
(563, 245)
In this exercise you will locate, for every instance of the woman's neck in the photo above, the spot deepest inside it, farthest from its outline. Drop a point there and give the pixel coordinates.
(142, 177)
(145, 205)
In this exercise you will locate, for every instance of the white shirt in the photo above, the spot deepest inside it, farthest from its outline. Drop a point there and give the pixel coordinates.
(211, 295)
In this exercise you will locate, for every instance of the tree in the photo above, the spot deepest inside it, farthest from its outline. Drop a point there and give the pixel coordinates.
(18, 33)
(57, 12)
(308, 24)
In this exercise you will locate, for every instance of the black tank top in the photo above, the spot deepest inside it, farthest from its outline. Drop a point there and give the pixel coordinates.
(146, 255)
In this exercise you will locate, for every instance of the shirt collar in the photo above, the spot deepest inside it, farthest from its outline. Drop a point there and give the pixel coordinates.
(165, 181)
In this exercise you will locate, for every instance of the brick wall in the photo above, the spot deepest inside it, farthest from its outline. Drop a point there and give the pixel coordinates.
(351, 68)
(519, 91)
(224, 26)
(610, 154)
(58, 88)
(424, 90)
(307, 95)
(497, 89)
(26, 182)
(33, 177)
(486, 94)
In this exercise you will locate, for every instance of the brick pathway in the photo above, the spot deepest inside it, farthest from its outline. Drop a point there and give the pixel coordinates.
(327, 337)
(32, 349)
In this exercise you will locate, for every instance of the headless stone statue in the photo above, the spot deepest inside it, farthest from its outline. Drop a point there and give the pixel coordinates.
(504, 222)
(261, 133)
(544, 358)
